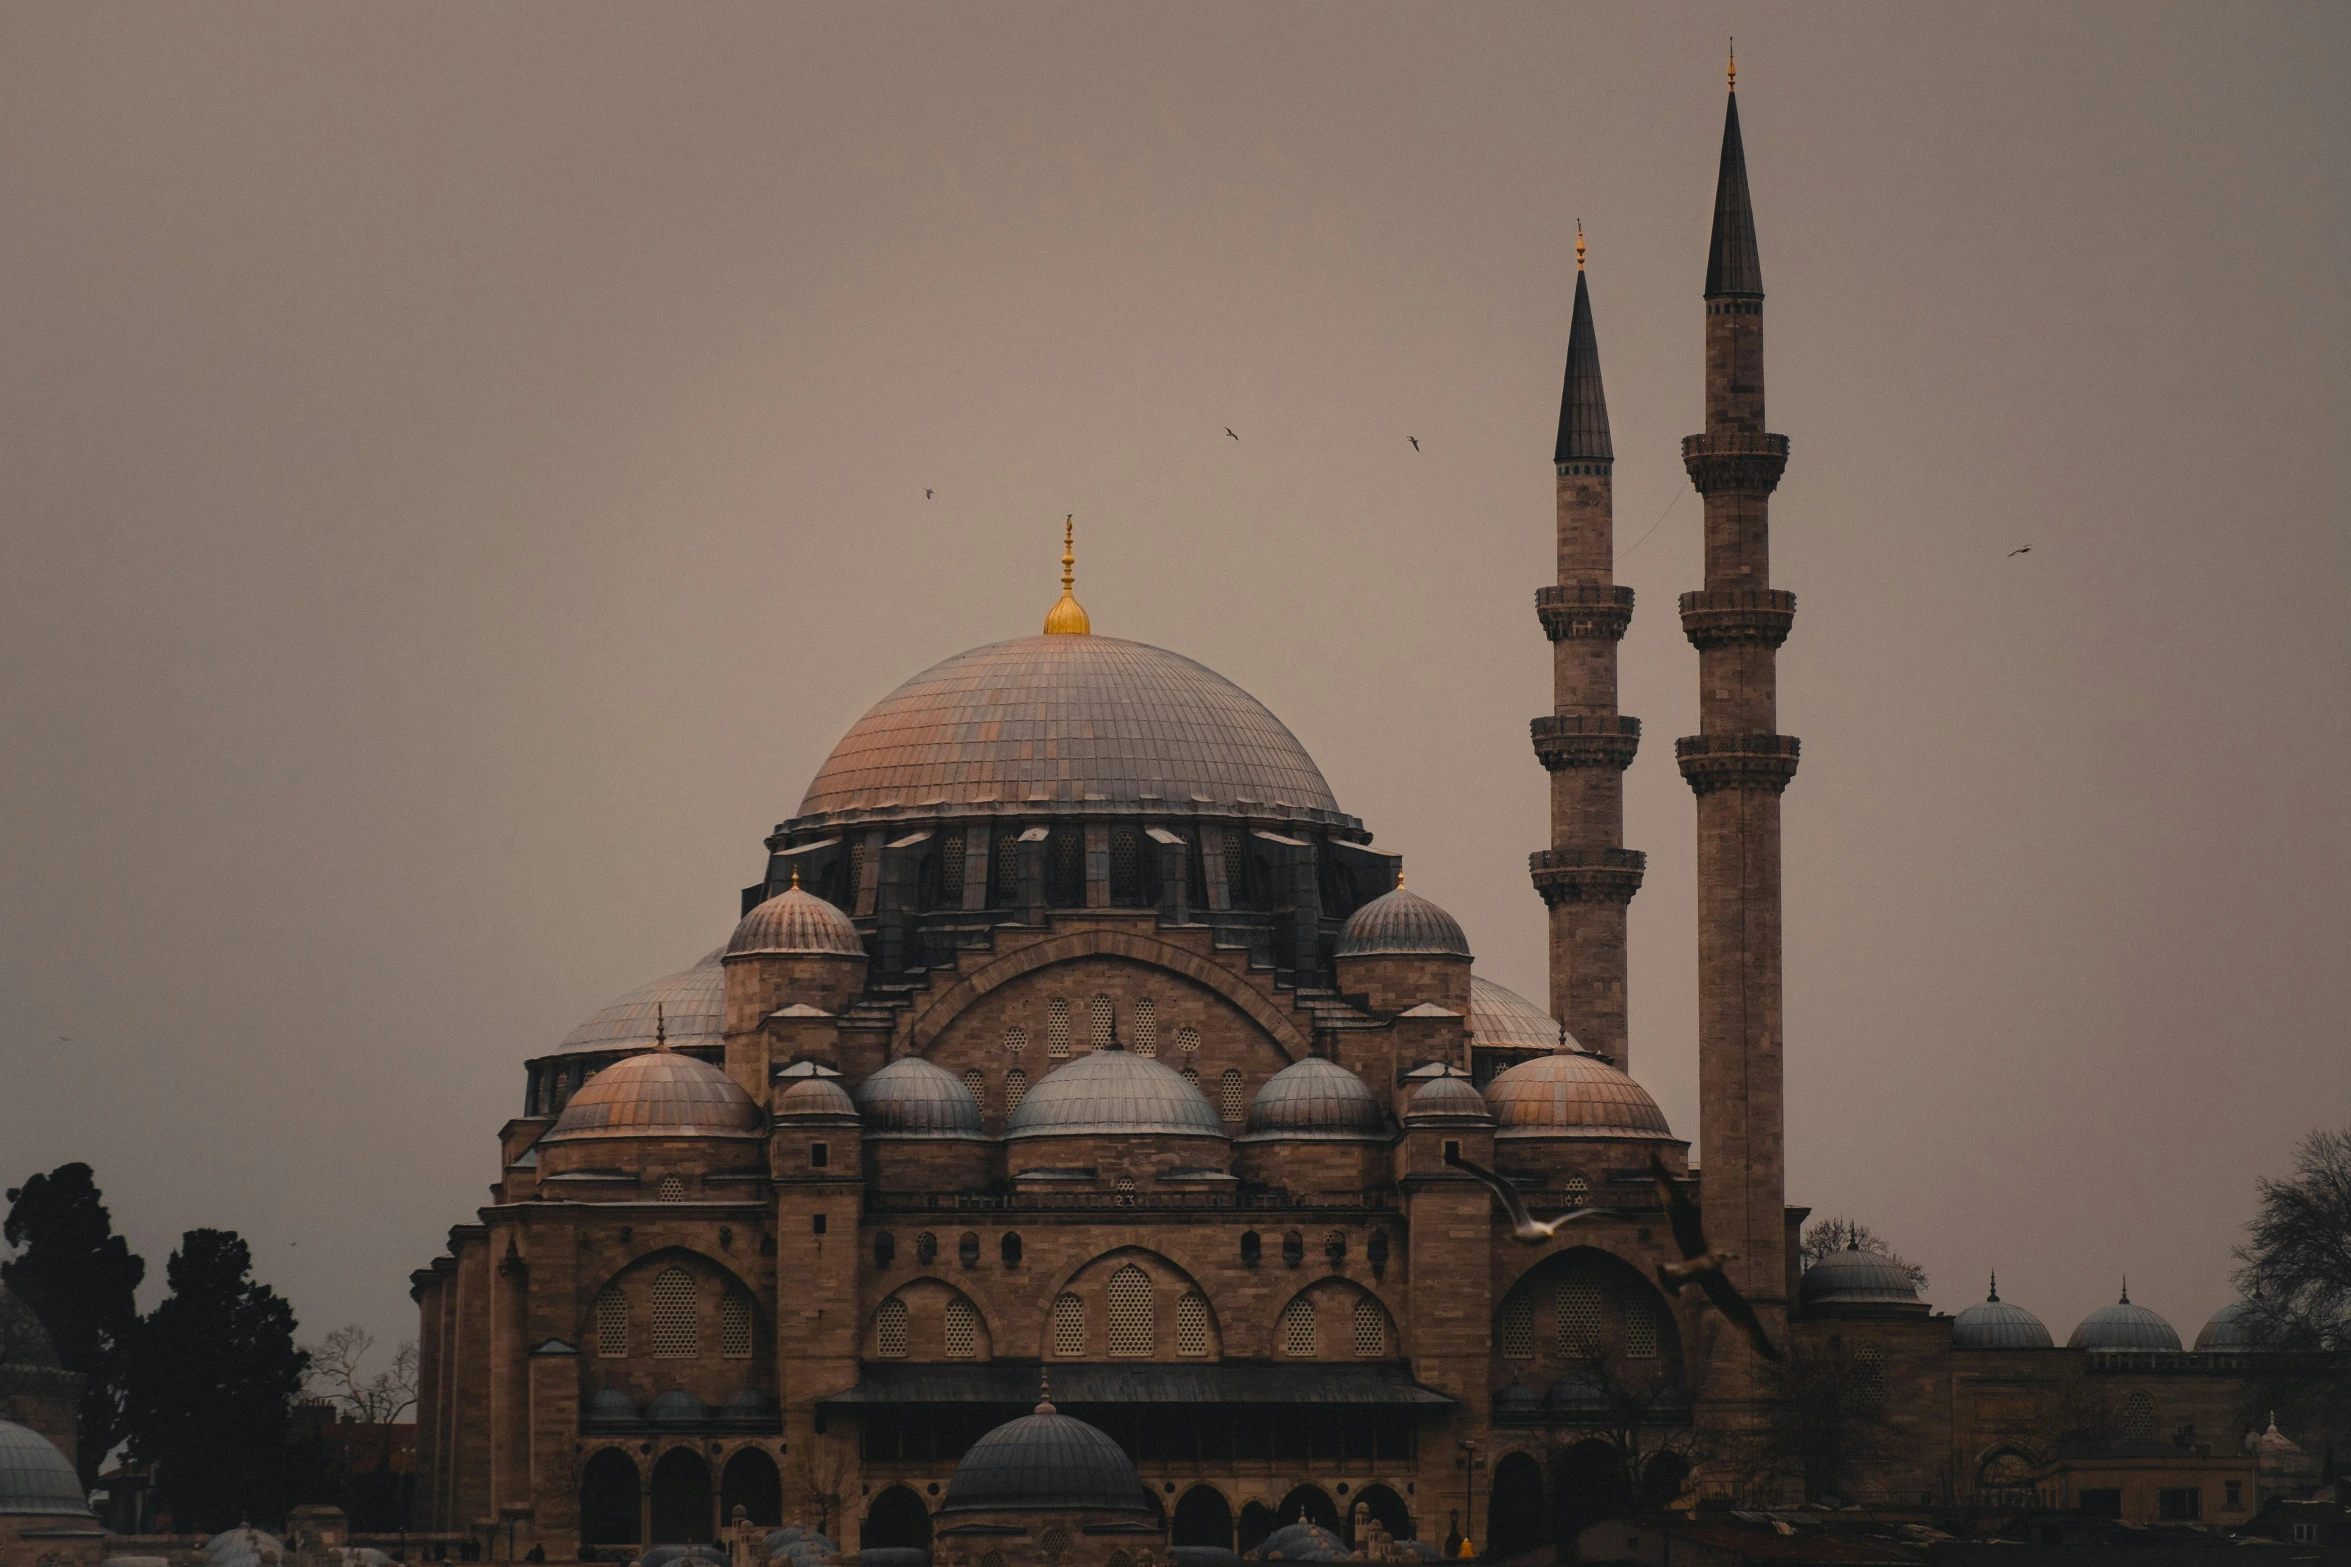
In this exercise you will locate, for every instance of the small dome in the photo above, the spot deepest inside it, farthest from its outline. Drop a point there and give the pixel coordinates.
(661, 1093)
(610, 1406)
(2123, 1326)
(2231, 1328)
(1565, 1094)
(35, 1478)
(1577, 1393)
(1301, 1542)
(677, 1407)
(1113, 1091)
(912, 1097)
(1400, 923)
(691, 1004)
(1045, 1462)
(748, 1403)
(1857, 1282)
(1451, 1100)
(244, 1540)
(796, 922)
(1502, 1019)
(1517, 1401)
(1316, 1098)
(813, 1097)
(1993, 1323)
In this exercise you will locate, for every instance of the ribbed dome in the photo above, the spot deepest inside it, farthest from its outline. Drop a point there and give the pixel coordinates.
(915, 1098)
(1113, 1091)
(1045, 1462)
(1857, 1282)
(2123, 1326)
(1401, 923)
(1074, 721)
(1303, 1541)
(1517, 1401)
(1502, 1019)
(796, 921)
(35, 1478)
(815, 1096)
(692, 1004)
(1993, 1323)
(658, 1094)
(1316, 1099)
(1446, 1101)
(610, 1406)
(1569, 1095)
(2231, 1328)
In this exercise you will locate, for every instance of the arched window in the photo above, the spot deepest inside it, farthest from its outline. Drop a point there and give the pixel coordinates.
(1577, 1190)
(671, 1189)
(1518, 1327)
(2138, 1413)
(1016, 1040)
(1004, 886)
(1124, 1187)
(1146, 1027)
(1579, 1319)
(675, 1335)
(1869, 1368)
(1192, 1324)
(1101, 1021)
(975, 1083)
(1640, 1328)
(1119, 1559)
(1053, 1544)
(734, 1326)
(1069, 1327)
(963, 1329)
(1228, 1096)
(1371, 1329)
(1065, 876)
(856, 874)
(1298, 1327)
(1016, 1088)
(1126, 866)
(951, 870)
(1057, 1028)
(1134, 1328)
(889, 1330)
(612, 1323)
(1187, 1039)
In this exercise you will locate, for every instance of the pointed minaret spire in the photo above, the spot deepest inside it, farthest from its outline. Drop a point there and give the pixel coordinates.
(1583, 405)
(1732, 267)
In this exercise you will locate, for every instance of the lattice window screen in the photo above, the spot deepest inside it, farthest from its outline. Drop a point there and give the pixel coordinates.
(856, 874)
(734, 1327)
(1057, 1028)
(1187, 1039)
(992, 1559)
(2138, 1410)
(1229, 1096)
(1119, 1559)
(1146, 1026)
(1016, 1041)
(1126, 865)
(976, 1083)
(1579, 1318)
(671, 1189)
(1006, 890)
(1577, 1190)
(889, 1330)
(1192, 1076)
(963, 1329)
(951, 869)
(1192, 1325)
(1053, 1544)
(1870, 1367)
(675, 1333)
(1298, 1327)
(612, 1324)
(1640, 1329)
(1101, 1021)
(1069, 1326)
(1016, 1088)
(1134, 1328)
(1371, 1330)
(1518, 1328)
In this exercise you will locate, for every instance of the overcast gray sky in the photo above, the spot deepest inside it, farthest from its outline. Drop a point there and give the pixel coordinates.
(462, 467)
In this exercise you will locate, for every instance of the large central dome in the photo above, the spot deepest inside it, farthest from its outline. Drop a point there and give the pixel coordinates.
(1069, 723)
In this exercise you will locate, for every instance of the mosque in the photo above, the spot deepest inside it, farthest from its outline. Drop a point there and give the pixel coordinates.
(1055, 1164)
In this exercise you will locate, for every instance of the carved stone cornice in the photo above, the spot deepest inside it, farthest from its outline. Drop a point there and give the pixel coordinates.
(1711, 762)
(1587, 875)
(1721, 617)
(1584, 609)
(1735, 462)
(1603, 741)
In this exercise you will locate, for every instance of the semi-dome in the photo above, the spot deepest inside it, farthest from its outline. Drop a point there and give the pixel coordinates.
(2123, 1326)
(1451, 1100)
(661, 1093)
(1315, 1099)
(1113, 1090)
(793, 922)
(814, 1097)
(677, 1407)
(35, 1478)
(916, 1098)
(1517, 1402)
(1502, 1019)
(1993, 1323)
(1045, 1461)
(1854, 1282)
(2232, 1328)
(1401, 923)
(1568, 1094)
(691, 1005)
(1078, 723)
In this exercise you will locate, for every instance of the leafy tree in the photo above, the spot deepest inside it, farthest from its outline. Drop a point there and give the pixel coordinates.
(214, 1373)
(2296, 1273)
(1824, 1237)
(81, 1280)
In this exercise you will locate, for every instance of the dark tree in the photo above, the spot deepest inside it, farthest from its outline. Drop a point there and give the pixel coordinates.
(2296, 1271)
(1823, 1416)
(1824, 1237)
(80, 1279)
(214, 1375)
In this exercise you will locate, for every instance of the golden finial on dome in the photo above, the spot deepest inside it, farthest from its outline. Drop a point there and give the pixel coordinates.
(795, 875)
(1734, 65)
(1579, 244)
(1068, 617)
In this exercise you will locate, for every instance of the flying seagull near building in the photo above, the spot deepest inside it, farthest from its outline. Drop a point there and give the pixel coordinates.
(1703, 1266)
(1524, 1225)
(1228, 429)
(926, 495)
(1415, 440)
(2027, 550)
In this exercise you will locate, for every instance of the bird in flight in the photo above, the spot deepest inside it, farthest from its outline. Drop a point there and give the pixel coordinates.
(1701, 1265)
(1228, 429)
(2027, 550)
(1524, 1225)
(926, 495)
(1415, 440)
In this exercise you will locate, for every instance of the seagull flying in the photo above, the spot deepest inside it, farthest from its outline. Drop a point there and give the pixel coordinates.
(1524, 1225)
(1701, 1265)
(1415, 440)
(1228, 429)
(926, 495)
(2027, 550)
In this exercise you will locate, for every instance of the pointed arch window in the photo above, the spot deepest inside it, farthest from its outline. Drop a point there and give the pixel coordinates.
(1069, 1327)
(1016, 1088)
(676, 1335)
(963, 1329)
(1192, 1324)
(1146, 1027)
(1298, 1327)
(612, 1324)
(1004, 885)
(1870, 1375)
(1134, 1328)
(2138, 1410)
(1228, 1096)
(1640, 1329)
(1518, 1327)
(734, 1326)
(1057, 1028)
(671, 1189)
(951, 869)
(1101, 1022)
(889, 1330)
(975, 1083)
(1579, 1319)
(1371, 1329)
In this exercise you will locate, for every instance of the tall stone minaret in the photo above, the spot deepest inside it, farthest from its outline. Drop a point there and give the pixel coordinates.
(1737, 764)
(1587, 876)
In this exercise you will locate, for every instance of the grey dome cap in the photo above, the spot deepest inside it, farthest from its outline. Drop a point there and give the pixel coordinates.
(1045, 1462)
(1570, 1095)
(2233, 1327)
(813, 1097)
(1401, 923)
(1502, 1019)
(35, 1478)
(677, 1407)
(692, 1005)
(2124, 1326)
(1993, 1323)
(917, 1098)
(657, 1094)
(1451, 1100)
(794, 921)
(1859, 1282)
(1316, 1099)
(1079, 723)
(1113, 1091)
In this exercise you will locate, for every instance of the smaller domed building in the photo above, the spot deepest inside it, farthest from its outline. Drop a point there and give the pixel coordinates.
(1047, 1490)
(45, 1518)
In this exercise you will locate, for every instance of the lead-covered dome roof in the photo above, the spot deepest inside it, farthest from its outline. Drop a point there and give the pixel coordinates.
(1316, 1099)
(1113, 1090)
(691, 1004)
(658, 1094)
(915, 1098)
(2232, 1327)
(1401, 923)
(1450, 1100)
(35, 1478)
(1993, 1323)
(2123, 1326)
(1045, 1462)
(1502, 1019)
(1857, 1282)
(1567, 1094)
(794, 922)
(1069, 722)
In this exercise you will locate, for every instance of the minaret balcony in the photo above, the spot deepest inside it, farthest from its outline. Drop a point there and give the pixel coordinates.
(1587, 875)
(1599, 740)
(1711, 762)
(1727, 617)
(1584, 609)
(1735, 462)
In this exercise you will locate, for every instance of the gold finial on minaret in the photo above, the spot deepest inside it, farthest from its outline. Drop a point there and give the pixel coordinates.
(1579, 244)
(1067, 617)
(1734, 65)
